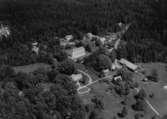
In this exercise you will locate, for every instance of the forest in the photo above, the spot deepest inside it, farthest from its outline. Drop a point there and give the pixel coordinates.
(52, 94)
(41, 20)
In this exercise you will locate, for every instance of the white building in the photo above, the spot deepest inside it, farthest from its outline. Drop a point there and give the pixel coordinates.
(76, 53)
(103, 40)
(106, 72)
(117, 78)
(76, 77)
(128, 64)
(4, 31)
(69, 37)
(35, 47)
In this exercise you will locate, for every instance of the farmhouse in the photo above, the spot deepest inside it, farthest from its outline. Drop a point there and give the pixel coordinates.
(128, 64)
(76, 77)
(76, 53)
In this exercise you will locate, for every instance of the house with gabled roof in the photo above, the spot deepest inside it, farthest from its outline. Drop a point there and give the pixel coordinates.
(76, 53)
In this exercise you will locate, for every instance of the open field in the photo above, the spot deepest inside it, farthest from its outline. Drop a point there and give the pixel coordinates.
(32, 67)
(111, 100)
(160, 99)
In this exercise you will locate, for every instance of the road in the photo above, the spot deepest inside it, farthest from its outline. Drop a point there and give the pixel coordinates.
(91, 82)
(89, 77)
(85, 86)
(151, 107)
(149, 104)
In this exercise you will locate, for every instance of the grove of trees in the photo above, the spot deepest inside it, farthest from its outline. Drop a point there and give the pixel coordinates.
(42, 20)
(38, 96)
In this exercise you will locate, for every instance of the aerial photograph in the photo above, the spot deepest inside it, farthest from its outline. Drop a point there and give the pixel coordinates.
(83, 59)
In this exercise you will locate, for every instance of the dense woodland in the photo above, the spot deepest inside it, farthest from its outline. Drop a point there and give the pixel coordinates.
(42, 20)
(52, 94)
(39, 95)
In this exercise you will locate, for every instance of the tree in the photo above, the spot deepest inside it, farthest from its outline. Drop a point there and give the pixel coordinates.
(154, 117)
(165, 116)
(6, 71)
(93, 115)
(60, 55)
(67, 67)
(113, 55)
(98, 103)
(52, 74)
(138, 116)
(41, 75)
(140, 105)
(122, 88)
(123, 113)
(114, 117)
(154, 75)
(122, 52)
(103, 62)
(141, 94)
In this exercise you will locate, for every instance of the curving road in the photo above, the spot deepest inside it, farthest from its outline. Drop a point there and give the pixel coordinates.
(89, 77)
(93, 82)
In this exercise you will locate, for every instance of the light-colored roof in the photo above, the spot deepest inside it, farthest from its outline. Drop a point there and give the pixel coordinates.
(128, 64)
(69, 37)
(117, 43)
(76, 77)
(35, 43)
(4, 31)
(165, 87)
(102, 39)
(117, 78)
(76, 52)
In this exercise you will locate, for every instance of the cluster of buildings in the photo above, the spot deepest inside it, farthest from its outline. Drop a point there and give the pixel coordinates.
(90, 43)
(77, 50)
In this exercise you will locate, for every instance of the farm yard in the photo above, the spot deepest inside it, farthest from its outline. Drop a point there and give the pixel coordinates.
(104, 89)
(112, 101)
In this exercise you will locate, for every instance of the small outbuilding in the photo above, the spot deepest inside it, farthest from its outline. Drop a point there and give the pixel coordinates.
(106, 72)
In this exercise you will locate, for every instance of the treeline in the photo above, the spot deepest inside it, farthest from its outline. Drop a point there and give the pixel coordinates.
(146, 50)
(36, 18)
(41, 20)
(39, 95)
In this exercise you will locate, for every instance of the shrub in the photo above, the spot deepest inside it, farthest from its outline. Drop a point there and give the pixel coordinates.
(123, 113)
(137, 116)
(122, 89)
(67, 67)
(139, 105)
(98, 103)
(141, 94)
(103, 62)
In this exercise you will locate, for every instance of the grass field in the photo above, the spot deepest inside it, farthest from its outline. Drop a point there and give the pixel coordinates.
(111, 100)
(160, 99)
(32, 67)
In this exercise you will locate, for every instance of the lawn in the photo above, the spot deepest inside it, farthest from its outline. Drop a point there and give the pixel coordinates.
(160, 99)
(32, 67)
(111, 100)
